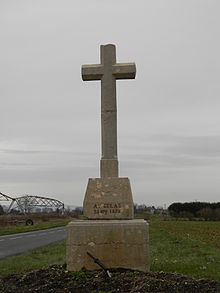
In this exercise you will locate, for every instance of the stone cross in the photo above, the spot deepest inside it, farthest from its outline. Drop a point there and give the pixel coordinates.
(109, 230)
(108, 71)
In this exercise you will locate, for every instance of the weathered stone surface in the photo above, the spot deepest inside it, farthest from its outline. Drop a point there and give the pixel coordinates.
(108, 166)
(117, 243)
(108, 72)
(108, 198)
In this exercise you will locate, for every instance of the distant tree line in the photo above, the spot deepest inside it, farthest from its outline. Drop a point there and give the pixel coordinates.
(190, 210)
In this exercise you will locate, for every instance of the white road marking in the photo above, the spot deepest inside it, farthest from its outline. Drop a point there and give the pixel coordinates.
(14, 238)
(2, 240)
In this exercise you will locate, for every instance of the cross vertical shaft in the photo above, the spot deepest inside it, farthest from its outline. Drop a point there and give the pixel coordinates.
(109, 160)
(108, 71)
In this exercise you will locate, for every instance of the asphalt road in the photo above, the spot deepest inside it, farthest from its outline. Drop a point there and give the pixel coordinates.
(17, 243)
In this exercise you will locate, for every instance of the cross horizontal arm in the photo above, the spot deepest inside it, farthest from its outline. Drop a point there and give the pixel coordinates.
(124, 70)
(92, 72)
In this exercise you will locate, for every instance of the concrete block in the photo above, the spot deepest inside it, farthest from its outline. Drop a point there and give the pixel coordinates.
(116, 243)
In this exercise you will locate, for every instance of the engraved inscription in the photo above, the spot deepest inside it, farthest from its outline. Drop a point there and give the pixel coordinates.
(107, 208)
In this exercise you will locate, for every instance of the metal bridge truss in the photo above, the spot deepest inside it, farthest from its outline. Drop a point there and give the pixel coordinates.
(28, 202)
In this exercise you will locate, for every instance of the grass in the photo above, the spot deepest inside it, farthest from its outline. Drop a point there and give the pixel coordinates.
(172, 253)
(186, 247)
(206, 232)
(38, 226)
(36, 259)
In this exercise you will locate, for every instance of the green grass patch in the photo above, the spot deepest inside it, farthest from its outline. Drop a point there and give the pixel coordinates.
(36, 259)
(207, 232)
(38, 226)
(172, 253)
(187, 247)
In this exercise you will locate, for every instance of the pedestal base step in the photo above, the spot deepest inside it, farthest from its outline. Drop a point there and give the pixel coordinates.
(116, 243)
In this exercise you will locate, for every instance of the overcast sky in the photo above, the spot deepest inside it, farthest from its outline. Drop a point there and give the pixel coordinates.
(168, 117)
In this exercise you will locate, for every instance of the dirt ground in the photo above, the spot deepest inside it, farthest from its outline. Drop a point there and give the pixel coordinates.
(58, 279)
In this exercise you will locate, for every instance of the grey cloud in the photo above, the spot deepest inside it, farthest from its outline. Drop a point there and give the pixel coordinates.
(22, 152)
(168, 117)
(52, 151)
(49, 174)
(199, 146)
(174, 152)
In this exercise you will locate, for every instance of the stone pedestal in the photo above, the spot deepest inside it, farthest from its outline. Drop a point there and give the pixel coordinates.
(117, 243)
(108, 198)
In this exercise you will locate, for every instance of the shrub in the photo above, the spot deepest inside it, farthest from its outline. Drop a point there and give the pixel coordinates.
(206, 210)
